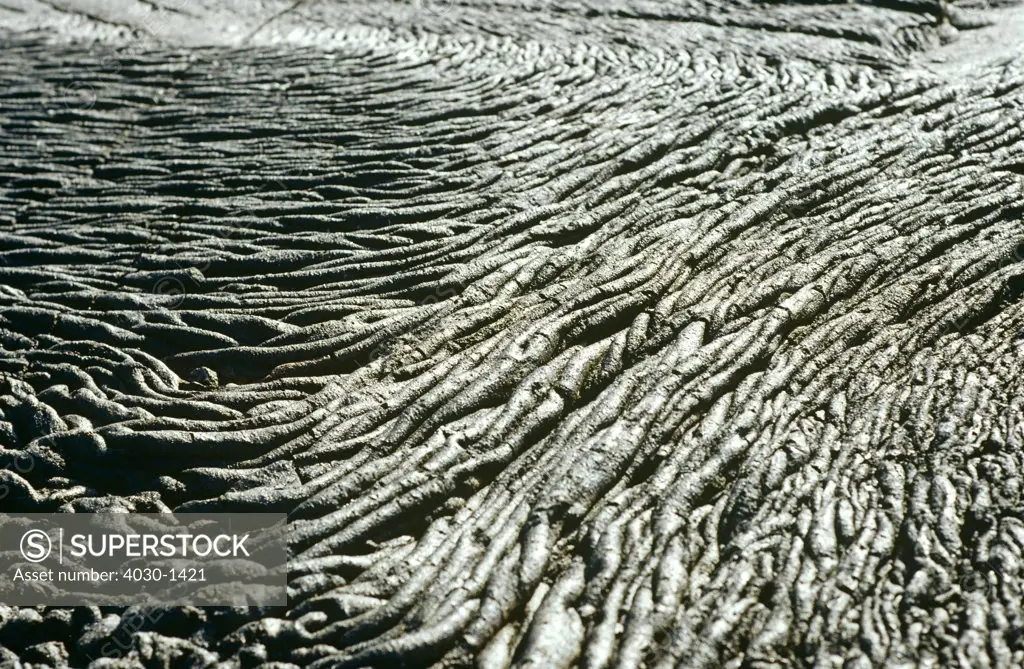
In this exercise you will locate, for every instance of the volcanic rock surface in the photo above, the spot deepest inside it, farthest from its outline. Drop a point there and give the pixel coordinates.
(597, 334)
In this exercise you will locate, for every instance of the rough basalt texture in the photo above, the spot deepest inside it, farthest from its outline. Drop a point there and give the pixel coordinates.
(612, 333)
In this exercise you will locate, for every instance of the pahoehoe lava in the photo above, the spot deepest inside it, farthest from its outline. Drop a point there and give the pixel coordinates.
(598, 334)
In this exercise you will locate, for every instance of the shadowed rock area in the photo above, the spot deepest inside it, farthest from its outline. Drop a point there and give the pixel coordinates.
(599, 334)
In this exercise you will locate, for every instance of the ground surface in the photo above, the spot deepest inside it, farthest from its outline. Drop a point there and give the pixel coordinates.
(611, 333)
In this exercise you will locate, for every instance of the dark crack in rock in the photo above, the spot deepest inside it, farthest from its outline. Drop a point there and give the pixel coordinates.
(599, 334)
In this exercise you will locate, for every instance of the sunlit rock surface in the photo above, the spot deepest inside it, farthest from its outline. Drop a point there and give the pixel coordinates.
(576, 334)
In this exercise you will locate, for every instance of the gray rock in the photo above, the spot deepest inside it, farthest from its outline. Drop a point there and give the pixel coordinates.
(600, 334)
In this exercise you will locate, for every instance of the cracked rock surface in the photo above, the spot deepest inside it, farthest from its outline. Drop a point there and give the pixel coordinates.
(598, 334)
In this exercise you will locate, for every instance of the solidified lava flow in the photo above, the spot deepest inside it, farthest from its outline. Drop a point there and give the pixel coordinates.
(597, 334)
